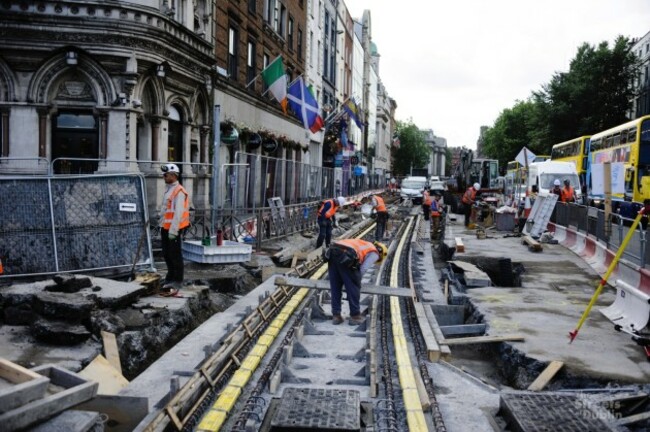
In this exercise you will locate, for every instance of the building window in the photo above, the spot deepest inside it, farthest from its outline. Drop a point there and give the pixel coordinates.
(299, 43)
(265, 64)
(250, 62)
(269, 11)
(233, 39)
(282, 21)
(290, 34)
(326, 63)
(252, 6)
(310, 54)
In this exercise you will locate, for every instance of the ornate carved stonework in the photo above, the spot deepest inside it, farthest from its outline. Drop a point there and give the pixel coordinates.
(75, 90)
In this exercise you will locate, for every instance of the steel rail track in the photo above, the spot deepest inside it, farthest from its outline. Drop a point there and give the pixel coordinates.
(208, 399)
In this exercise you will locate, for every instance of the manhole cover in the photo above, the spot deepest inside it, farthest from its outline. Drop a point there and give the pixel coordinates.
(553, 412)
(318, 410)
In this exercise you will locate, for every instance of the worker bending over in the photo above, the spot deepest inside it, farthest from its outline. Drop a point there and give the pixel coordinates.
(327, 218)
(469, 198)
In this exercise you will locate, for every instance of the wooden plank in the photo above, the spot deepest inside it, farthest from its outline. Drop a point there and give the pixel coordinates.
(111, 350)
(483, 339)
(533, 245)
(446, 290)
(100, 370)
(15, 373)
(325, 285)
(460, 247)
(445, 352)
(433, 349)
(546, 376)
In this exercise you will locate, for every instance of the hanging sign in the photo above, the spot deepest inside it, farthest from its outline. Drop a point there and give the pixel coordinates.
(269, 145)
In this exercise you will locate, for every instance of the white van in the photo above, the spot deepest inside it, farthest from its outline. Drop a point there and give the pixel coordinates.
(543, 174)
(412, 188)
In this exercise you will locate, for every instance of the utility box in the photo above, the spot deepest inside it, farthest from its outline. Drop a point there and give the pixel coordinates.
(505, 221)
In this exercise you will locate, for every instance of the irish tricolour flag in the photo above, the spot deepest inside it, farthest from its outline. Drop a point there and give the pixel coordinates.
(275, 79)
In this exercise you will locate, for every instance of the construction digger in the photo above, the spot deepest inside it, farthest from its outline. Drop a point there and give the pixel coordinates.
(468, 171)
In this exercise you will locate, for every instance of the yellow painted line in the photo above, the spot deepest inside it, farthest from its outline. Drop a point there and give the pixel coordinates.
(251, 362)
(212, 421)
(227, 398)
(414, 413)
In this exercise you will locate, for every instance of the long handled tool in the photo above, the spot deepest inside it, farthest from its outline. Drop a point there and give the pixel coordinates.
(573, 334)
(139, 249)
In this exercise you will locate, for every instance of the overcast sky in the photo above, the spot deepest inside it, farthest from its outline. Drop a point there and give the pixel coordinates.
(454, 65)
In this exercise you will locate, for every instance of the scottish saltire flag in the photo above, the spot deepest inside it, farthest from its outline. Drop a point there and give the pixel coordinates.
(304, 105)
(353, 111)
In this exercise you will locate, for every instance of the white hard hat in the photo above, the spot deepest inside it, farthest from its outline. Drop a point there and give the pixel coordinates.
(556, 182)
(170, 167)
(341, 201)
(477, 186)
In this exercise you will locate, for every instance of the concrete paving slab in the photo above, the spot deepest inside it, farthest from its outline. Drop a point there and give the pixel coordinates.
(556, 288)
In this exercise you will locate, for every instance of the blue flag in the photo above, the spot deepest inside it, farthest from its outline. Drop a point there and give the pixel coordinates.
(353, 111)
(304, 105)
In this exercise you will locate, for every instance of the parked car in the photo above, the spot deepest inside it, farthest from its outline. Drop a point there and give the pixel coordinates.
(412, 188)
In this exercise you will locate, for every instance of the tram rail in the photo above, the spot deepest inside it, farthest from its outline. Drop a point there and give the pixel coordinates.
(224, 390)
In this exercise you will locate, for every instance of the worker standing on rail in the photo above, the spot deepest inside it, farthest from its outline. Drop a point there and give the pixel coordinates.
(174, 219)
(327, 218)
(381, 216)
(469, 197)
(347, 261)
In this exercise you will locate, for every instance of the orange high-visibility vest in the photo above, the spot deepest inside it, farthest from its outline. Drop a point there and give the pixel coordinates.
(361, 247)
(169, 214)
(469, 196)
(427, 199)
(381, 206)
(330, 212)
(567, 195)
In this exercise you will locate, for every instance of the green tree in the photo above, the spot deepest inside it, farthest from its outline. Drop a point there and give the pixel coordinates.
(448, 158)
(413, 151)
(592, 96)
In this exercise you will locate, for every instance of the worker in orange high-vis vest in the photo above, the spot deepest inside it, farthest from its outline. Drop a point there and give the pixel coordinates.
(381, 217)
(327, 219)
(568, 193)
(469, 197)
(426, 204)
(174, 219)
(347, 261)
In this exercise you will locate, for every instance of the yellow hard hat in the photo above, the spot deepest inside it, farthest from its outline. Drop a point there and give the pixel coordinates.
(382, 249)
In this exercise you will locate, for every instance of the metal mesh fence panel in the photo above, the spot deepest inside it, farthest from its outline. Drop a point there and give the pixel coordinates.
(99, 222)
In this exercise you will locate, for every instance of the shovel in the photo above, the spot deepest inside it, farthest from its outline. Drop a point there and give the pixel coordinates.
(137, 253)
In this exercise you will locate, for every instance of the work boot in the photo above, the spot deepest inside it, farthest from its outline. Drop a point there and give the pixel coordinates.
(357, 320)
(337, 319)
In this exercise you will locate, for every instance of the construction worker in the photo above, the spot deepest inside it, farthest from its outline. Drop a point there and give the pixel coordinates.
(327, 218)
(379, 207)
(436, 216)
(568, 193)
(557, 190)
(469, 197)
(174, 219)
(426, 204)
(347, 261)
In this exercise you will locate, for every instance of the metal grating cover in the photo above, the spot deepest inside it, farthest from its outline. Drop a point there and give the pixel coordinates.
(318, 410)
(553, 412)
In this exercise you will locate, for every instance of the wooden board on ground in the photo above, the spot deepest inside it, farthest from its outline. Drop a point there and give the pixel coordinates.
(111, 350)
(324, 285)
(484, 339)
(533, 245)
(460, 247)
(433, 349)
(445, 352)
(110, 381)
(546, 376)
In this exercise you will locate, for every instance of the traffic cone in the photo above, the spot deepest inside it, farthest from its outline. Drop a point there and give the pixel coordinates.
(2, 270)
(527, 207)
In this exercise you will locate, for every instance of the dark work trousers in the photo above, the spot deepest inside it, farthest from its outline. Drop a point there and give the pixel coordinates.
(426, 209)
(467, 208)
(173, 256)
(324, 232)
(382, 218)
(340, 275)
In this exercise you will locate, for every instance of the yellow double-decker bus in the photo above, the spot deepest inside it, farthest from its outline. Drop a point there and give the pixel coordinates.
(628, 143)
(577, 151)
